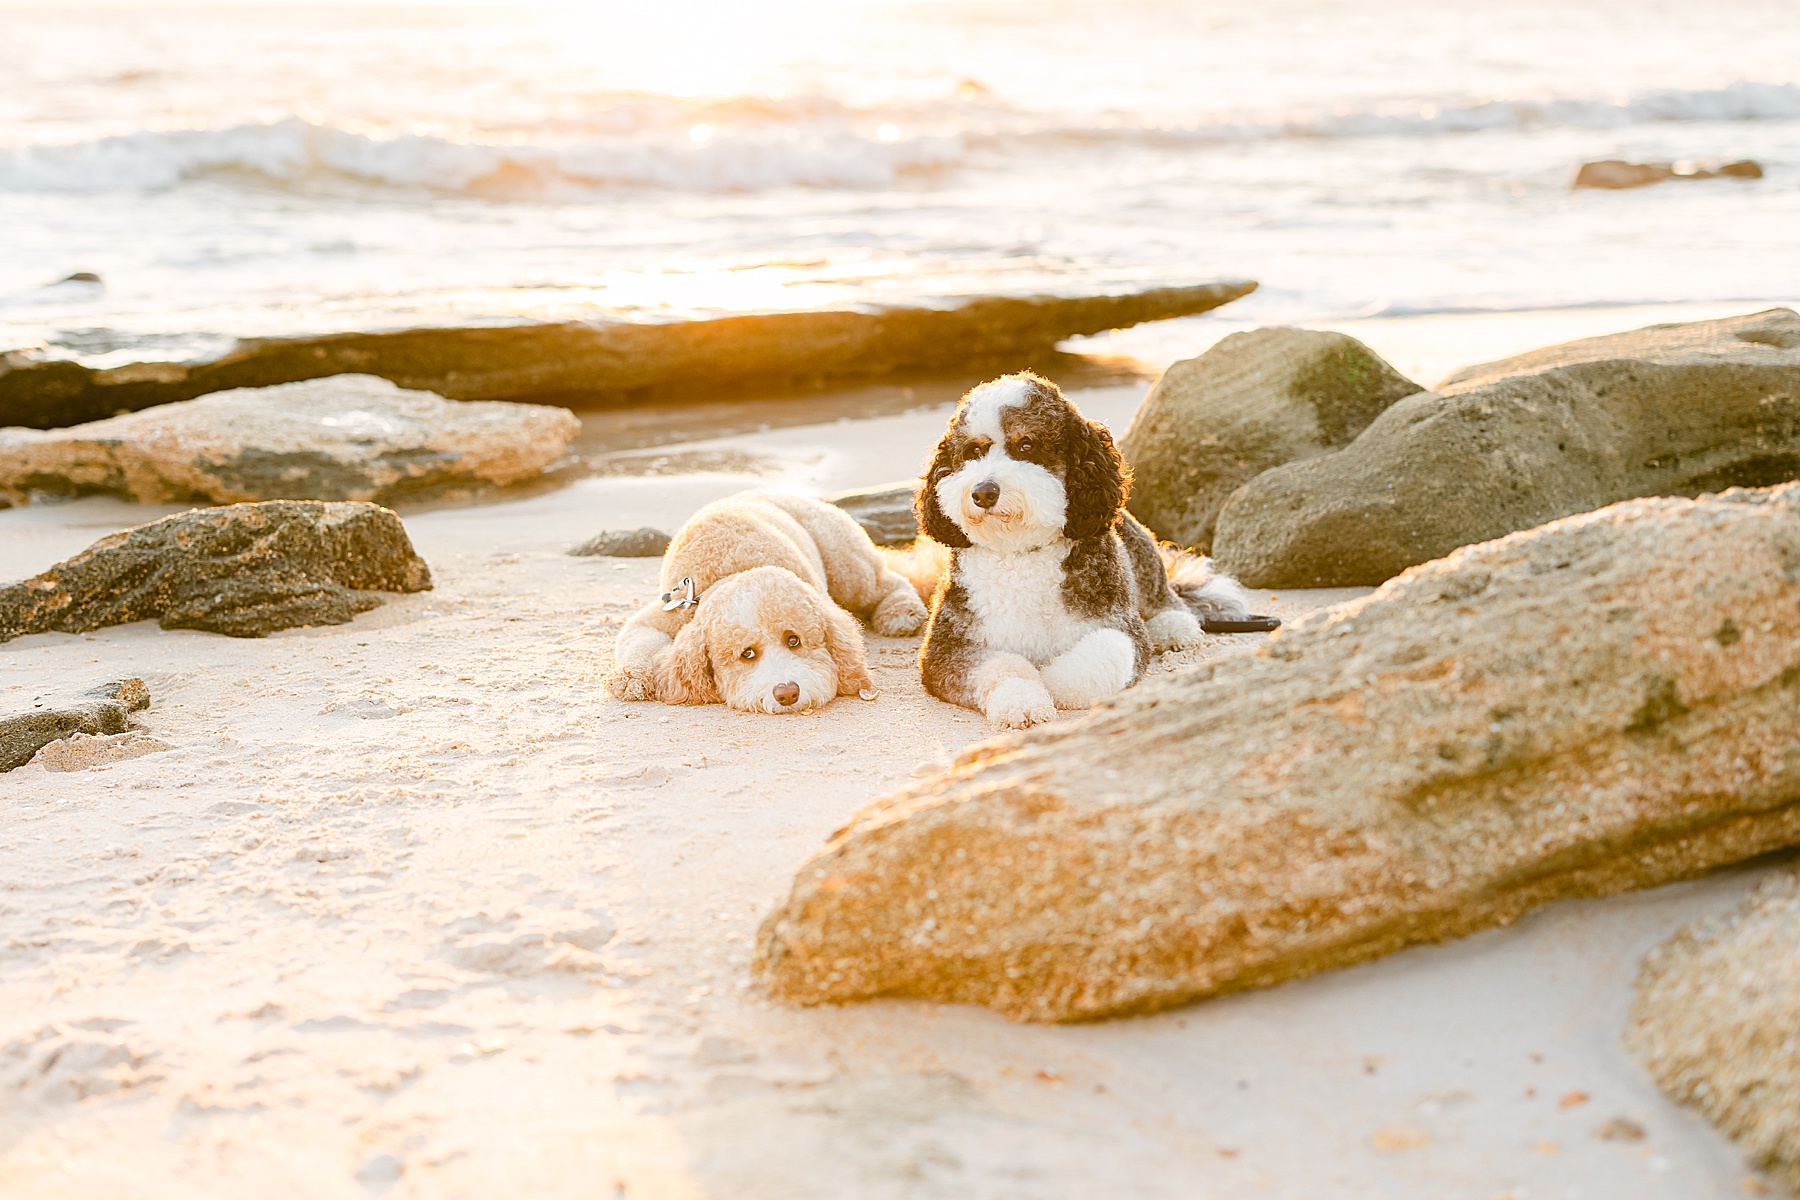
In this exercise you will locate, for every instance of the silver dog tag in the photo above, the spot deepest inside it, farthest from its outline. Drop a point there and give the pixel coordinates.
(687, 597)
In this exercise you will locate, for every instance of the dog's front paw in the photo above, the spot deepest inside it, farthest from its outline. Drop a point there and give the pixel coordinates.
(1017, 703)
(1173, 629)
(902, 614)
(631, 683)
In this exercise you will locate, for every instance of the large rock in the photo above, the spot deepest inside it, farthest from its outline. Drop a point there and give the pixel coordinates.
(1254, 401)
(349, 437)
(1672, 410)
(105, 709)
(1572, 711)
(611, 362)
(885, 513)
(245, 570)
(1717, 1011)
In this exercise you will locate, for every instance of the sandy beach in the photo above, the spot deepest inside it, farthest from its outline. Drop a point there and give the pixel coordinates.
(412, 907)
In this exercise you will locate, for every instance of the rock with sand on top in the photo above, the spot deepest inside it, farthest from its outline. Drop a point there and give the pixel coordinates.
(244, 570)
(1669, 410)
(1715, 1018)
(1564, 712)
(348, 437)
(624, 543)
(103, 710)
(1254, 401)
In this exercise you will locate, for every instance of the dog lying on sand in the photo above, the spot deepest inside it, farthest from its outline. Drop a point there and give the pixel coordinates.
(756, 588)
(1054, 596)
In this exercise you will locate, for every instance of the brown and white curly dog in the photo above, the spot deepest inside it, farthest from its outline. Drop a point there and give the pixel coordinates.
(756, 588)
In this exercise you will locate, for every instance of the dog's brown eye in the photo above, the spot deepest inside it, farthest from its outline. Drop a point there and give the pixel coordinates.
(972, 452)
(1025, 445)
(793, 641)
(749, 654)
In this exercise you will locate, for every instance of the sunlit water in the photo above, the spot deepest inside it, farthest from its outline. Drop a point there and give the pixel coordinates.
(275, 168)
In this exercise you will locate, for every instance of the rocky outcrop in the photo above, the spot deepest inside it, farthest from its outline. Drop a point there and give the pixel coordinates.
(1615, 173)
(610, 362)
(624, 543)
(245, 570)
(1672, 410)
(105, 709)
(1715, 1018)
(349, 437)
(1252, 402)
(1570, 711)
(885, 513)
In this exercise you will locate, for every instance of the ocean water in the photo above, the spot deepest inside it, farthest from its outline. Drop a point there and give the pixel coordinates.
(238, 169)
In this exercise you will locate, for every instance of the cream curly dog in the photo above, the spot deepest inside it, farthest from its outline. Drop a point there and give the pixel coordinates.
(753, 613)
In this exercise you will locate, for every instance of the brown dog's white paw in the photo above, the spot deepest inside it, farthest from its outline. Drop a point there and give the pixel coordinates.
(1019, 703)
(901, 614)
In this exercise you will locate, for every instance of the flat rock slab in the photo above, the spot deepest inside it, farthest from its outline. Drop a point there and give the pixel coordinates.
(1566, 712)
(245, 570)
(624, 543)
(103, 710)
(1717, 1010)
(1254, 401)
(885, 513)
(348, 437)
(1671, 410)
(611, 362)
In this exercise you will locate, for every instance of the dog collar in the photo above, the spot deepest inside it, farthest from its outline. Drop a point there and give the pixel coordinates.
(672, 601)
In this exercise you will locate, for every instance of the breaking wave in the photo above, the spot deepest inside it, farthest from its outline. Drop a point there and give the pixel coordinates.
(765, 145)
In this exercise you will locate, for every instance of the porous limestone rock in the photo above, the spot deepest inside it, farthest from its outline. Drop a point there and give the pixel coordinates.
(624, 543)
(1254, 401)
(1671, 410)
(102, 710)
(244, 570)
(1575, 710)
(885, 513)
(1715, 1021)
(611, 362)
(348, 437)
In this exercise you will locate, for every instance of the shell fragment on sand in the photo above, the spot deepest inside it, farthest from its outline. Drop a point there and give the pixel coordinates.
(106, 709)
(1568, 711)
(348, 437)
(244, 570)
(1671, 410)
(611, 362)
(1254, 401)
(1717, 1010)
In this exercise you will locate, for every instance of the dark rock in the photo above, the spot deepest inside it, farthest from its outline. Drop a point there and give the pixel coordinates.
(1614, 173)
(885, 513)
(244, 570)
(82, 277)
(1252, 402)
(1672, 410)
(348, 437)
(105, 709)
(625, 543)
(609, 363)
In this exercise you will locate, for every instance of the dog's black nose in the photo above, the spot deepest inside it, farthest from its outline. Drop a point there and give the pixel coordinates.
(787, 694)
(985, 494)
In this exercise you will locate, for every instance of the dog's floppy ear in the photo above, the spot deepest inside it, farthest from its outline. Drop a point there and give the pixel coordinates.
(1097, 482)
(683, 672)
(843, 641)
(932, 521)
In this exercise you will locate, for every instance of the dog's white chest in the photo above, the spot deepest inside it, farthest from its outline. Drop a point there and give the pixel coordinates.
(1017, 600)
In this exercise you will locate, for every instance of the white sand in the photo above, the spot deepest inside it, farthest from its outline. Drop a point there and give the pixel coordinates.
(415, 898)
